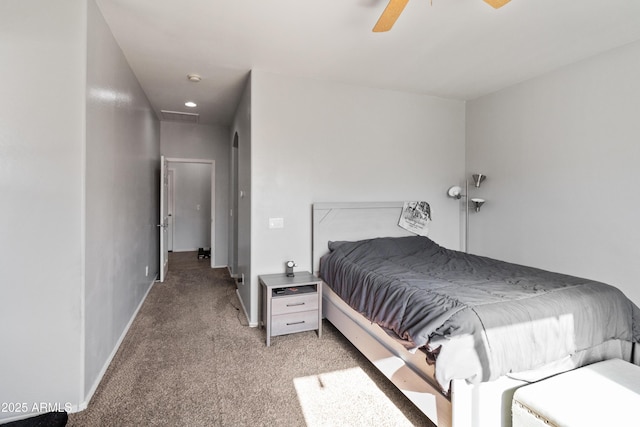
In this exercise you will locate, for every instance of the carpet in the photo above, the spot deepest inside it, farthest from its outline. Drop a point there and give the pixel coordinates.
(190, 359)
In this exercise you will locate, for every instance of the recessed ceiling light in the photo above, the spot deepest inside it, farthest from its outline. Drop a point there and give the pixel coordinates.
(194, 78)
(190, 104)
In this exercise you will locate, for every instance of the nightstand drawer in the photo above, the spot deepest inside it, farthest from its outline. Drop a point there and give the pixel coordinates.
(294, 322)
(294, 304)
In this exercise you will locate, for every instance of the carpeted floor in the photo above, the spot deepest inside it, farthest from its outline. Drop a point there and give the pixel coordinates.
(190, 359)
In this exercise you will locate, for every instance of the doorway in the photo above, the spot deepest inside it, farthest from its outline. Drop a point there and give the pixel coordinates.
(191, 205)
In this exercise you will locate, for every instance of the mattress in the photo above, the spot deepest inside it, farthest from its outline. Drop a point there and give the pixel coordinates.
(478, 318)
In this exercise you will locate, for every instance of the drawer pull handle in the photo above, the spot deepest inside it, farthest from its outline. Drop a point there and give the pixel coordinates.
(295, 323)
(294, 305)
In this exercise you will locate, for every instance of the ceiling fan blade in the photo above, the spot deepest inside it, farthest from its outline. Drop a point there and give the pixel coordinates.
(497, 4)
(390, 15)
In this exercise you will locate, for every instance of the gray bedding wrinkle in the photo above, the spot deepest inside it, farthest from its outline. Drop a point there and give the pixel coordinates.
(478, 317)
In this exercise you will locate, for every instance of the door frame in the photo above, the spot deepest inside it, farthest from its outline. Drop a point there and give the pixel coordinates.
(162, 227)
(212, 243)
(233, 232)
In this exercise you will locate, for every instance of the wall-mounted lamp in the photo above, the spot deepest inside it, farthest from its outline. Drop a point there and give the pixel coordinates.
(455, 192)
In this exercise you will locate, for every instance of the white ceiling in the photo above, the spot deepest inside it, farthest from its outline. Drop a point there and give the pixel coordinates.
(458, 49)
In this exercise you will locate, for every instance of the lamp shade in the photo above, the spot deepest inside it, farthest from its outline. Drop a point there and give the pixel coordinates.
(478, 178)
(455, 192)
(477, 203)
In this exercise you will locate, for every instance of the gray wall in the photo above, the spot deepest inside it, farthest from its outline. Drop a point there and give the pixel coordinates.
(561, 153)
(79, 155)
(242, 125)
(190, 141)
(42, 110)
(316, 141)
(122, 198)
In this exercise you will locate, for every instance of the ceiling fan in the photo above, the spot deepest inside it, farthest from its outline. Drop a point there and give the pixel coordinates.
(395, 8)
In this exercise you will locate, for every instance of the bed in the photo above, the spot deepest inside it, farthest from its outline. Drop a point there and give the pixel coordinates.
(458, 333)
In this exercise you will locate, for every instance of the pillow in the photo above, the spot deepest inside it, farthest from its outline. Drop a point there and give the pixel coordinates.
(385, 247)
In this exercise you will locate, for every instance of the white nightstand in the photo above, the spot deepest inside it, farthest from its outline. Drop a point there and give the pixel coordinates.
(291, 304)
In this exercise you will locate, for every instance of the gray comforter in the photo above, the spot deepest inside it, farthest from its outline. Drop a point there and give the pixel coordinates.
(478, 318)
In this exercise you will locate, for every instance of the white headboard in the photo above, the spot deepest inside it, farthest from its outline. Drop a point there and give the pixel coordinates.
(353, 221)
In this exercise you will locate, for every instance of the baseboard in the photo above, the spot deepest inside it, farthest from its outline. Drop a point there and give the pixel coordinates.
(244, 309)
(83, 405)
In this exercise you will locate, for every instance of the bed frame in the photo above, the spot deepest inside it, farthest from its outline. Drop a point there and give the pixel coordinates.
(483, 405)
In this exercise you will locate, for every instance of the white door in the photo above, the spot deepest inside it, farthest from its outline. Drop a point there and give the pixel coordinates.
(170, 209)
(164, 219)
